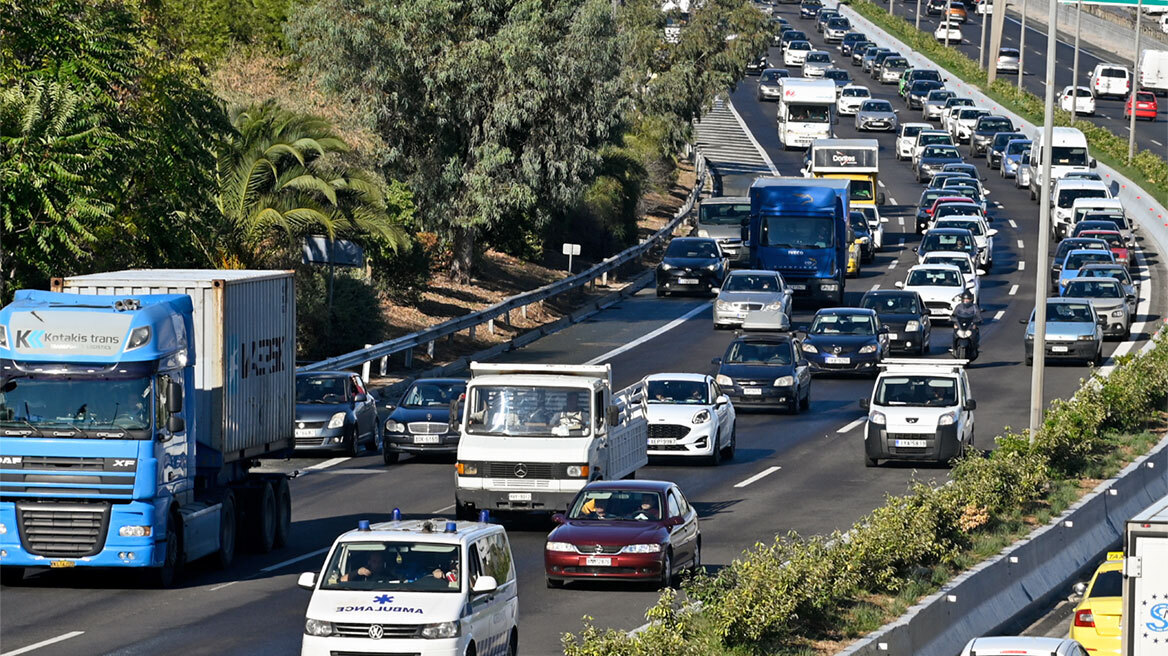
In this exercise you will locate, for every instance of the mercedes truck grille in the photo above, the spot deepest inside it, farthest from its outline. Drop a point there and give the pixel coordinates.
(69, 530)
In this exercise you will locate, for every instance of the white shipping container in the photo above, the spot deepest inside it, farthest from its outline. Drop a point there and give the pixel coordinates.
(245, 350)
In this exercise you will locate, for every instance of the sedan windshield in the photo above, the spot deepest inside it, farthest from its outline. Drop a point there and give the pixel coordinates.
(818, 58)
(944, 242)
(843, 324)
(921, 391)
(1016, 147)
(752, 282)
(959, 262)
(1076, 260)
(972, 226)
(1093, 288)
(876, 106)
(432, 395)
(750, 352)
(694, 392)
(995, 125)
(692, 249)
(394, 567)
(942, 151)
(772, 76)
(76, 404)
(617, 505)
(856, 92)
(1117, 272)
(935, 278)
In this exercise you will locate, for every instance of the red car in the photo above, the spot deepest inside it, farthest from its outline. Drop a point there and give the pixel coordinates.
(1146, 106)
(624, 530)
(947, 199)
(1114, 240)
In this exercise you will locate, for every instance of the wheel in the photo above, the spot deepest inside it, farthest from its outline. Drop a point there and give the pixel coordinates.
(264, 523)
(10, 576)
(661, 293)
(352, 446)
(728, 452)
(960, 353)
(1098, 360)
(1033, 196)
(554, 584)
(696, 567)
(225, 555)
(869, 462)
(666, 580)
(164, 576)
(715, 457)
(805, 404)
(389, 457)
(283, 512)
(513, 643)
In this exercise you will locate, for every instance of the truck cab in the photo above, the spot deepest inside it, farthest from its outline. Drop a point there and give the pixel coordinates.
(805, 111)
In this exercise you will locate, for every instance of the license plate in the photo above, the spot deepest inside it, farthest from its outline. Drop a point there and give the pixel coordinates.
(910, 443)
(57, 564)
(519, 496)
(797, 287)
(891, 335)
(751, 391)
(595, 561)
(426, 439)
(688, 281)
(655, 441)
(834, 360)
(1059, 349)
(305, 432)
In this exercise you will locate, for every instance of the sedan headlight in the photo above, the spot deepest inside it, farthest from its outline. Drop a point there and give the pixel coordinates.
(878, 418)
(700, 417)
(712, 267)
(1117, 313)
(665, 266)
(724, 380)
(912, 326)
(442, 630)
(871, 348)
(723, 305)
(563, 547)
(777, 305)
(947, 419)
(319, 628)
(703, 233)
(392, 426)
(642, 548)
(784, 381)
(956, 299)
(337, 420)
(809, 348)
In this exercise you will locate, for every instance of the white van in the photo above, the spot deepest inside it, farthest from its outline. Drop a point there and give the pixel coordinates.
(1110, 80)
(919, 410)
(1063, 197)
(1068, 153)
(1154, 70)
(805, 111)
(423, 587)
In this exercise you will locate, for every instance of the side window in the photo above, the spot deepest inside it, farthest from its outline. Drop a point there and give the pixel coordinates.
(714, 391)
(160, 386)
(474, 566)
(358, 386)
(964, 389)
(681, 502)
(496, 556)
(674, 508)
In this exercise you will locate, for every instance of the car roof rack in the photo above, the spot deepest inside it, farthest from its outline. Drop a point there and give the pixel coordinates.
(939, 365)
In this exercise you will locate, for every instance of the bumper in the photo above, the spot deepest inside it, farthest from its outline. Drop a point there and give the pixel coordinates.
(817, 289)
(324, 438)
(574, 566)
(1065, 350)
(1116, 326)
(875, 125)
(320, 646)
(939, 446)
(978, 146)
(695, 443)
(856, 364)
(116, 551)
(776, 398)
(407, 443)
(529, 499)
(688, 281)
(906, 341)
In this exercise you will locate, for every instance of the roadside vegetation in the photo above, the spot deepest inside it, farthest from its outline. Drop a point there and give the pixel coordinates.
(805, 595)
(220, 134)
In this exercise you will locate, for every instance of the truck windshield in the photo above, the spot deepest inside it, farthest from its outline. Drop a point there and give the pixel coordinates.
(394, 567)
(798, 232)
(76, 404)
(860, 190)
(723, 213)
(926, 391)
(1068, 156)
(518, 411)
(804, 113)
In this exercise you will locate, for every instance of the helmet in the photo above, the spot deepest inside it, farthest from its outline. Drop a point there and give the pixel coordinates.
(967, 296)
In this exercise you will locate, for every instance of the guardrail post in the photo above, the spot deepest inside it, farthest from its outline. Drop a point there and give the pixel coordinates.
(410, 357)
(471, 332)
(365, 367)
(430, 349)
(491, 326)
(604, 279)
(384, 364)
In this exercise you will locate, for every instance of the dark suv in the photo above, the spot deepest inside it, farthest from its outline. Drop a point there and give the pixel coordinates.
(984, 131)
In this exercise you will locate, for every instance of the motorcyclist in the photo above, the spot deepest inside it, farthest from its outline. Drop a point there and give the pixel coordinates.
(969, 314)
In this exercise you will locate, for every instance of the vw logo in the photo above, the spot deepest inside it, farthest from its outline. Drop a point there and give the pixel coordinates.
(521, 471)
(376, 631)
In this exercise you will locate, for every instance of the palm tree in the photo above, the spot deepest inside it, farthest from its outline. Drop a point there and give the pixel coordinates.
(281, 174)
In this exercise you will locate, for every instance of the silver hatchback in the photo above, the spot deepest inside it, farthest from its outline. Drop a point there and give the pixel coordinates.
(1072, 332)
(1107, 296)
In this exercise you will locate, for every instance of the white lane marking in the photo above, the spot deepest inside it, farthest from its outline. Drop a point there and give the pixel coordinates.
(297, 559)
(761, 475)
(892, 200)
(221, 586)
(326, 464)
(43, 643)
(1142, 309)
(880, 183)
(998, 205)
(874, 287)
(442, 510)
(1021, 244)
(1021, 265)
(998, 316)
(750, 135)
(893, 265)
(900, 220)
(651, 335)
(1013, 290)
(850, 427)
(1012, 224)
(1157, 142)
(354, 471)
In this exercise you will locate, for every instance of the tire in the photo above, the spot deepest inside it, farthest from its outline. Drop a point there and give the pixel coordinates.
(165, 575)
(960, 353)
(1098, 359)
(1033, 196)
(696, 567)
(263, 535)
(869, 462)
(389, 457)
(283, 513)
(715, 457)
(11, 576)
(228, 531)
(728, 452)
(554, 584)
(666, 580)
(661, 293)
(513, 643)
(352, 444)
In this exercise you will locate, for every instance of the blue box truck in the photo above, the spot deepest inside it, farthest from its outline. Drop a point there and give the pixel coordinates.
(799, 227)
(133, 406)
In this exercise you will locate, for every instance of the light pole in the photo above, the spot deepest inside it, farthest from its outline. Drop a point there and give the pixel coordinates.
(1135, 86)
(981, 48)
(918, 14)
(1041, 272)
(1022, 45)
(1075, 65)
(945, 21)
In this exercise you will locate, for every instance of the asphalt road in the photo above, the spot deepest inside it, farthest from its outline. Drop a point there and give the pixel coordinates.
(1150, 135)
(821, 484)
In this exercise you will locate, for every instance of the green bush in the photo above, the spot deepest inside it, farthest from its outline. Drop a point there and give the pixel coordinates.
(356, 318)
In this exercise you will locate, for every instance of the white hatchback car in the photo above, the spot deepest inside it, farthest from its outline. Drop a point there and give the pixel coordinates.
(919, 410)
(906, 138)
(1082, 100)
(795, 53)
(939, 285)
(983, 236)
(962, 261)
(689, 416)
(948, 31)
(850, 99)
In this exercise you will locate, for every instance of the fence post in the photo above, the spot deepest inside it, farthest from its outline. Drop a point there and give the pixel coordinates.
(430, 349)
(525, 312)
(491, 326)
(410, 357)
(384, 363)
(365, 367)
(472, 333)
(604, 279)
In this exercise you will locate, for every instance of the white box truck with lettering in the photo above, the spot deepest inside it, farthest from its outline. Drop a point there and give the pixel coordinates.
(532, 435)
(1145, 582)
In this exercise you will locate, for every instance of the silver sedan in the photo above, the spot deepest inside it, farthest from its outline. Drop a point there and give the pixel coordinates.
(1072, 332)
(745, 291)
(876, 115)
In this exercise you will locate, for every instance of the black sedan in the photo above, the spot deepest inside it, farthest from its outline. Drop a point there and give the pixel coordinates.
(933, 159)
(765, 371)
(809, 8)
(691, 264)
(984, 131)
(904, 314)
(845, 340)
(919, 90)
(997, 147)
(420, 422)
(334, 411)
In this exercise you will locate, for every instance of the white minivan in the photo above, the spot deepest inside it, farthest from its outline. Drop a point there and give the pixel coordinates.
(425, 587)
(1068, 153)
(920, 409)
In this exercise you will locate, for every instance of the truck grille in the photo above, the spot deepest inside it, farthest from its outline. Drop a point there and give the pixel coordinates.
(74, 464)
(361, 630)
(670, 431)
(73, 530)
(507, 470)
(428, 427)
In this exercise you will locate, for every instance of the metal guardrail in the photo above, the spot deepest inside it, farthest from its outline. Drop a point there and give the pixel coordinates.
(407, 343)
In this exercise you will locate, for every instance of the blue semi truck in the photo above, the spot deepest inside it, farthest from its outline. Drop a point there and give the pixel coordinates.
(799, 227)
(133, 406)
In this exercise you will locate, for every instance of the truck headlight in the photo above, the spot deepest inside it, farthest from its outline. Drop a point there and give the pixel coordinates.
(871, 348)
(134, 531)
(912, 326)
(809, 348)
(724, 380)
(319, 628)
(138, 338)
(392, 426)
(784, 381)
(337, 420)
(442, 630)
(947, 419)
(563, 547)
(642, 548)
(700, 417)
(577, 471)
(467, 469)
(878, 418)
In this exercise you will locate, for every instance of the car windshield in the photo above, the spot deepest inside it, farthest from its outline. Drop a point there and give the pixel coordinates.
(959, 262)
(394, 567)
(941, 151)
(937, 96)
(920, 390)
(876, 106)
(857, 92)
(837, 75)
(617, 505)
(772, 76)
(1067, 197)
(693, 392)
(1017, 147)
(1113, 239)
(804, 232)
(930, 139)
(930, 197)
(752, 282)
(843, 324)
(964, 191)
(1117, 272)
(895, 64)
(1068, 156)
(77, 405)
(1076, 260)
(970, 114)
(752, 352)
(818, 58)
(803, 113)
(960, 102)
(1068, 313)
(432, 395)
(954, 209)
(974, 227)
(692, 249)
(1117, 218)
(839, 23)
(995, 125)
(891, 303)
(527, 411)
(1093, 288)
(927, 75)
(320, 389)
(935, 278)
(910, 131)
(799, 45)
(723, 213)
(1076, 243)
(858, 222)
(1002, 138)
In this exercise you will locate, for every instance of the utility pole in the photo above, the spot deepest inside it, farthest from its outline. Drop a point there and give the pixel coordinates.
(1022, 46)
(918, 14)
(1075, 65)
(984, 35)
(998, 22)
(945, 21)
(1042, 274)
(1135, 86)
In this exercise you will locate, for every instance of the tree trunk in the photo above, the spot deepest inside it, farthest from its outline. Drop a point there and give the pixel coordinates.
(463, 256)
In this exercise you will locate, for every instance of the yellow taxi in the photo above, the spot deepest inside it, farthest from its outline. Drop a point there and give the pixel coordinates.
(1097, 618)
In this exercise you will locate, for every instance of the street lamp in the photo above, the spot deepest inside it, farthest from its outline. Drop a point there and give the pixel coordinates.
(1022, 47)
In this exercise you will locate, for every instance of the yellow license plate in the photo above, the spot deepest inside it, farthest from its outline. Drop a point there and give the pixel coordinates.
(62, 563)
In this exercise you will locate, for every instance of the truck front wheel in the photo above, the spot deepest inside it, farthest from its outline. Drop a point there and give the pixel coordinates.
(165, 575)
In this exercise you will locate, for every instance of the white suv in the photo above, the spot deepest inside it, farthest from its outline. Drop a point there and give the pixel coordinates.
(919, 410)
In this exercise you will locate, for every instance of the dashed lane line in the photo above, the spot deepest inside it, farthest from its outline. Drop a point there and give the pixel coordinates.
(998, 316)
(874, 287)
(1013, 290)
(1021, 244)
(1013, 224)
(852, 426)
(1021, 265)
(43, 643)
(759, 476)
(326, 464)
(893, 265)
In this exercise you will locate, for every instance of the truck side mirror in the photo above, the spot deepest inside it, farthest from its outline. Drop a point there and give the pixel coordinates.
(613, 415)
(174, 397)
(454, 411)
(175, 424)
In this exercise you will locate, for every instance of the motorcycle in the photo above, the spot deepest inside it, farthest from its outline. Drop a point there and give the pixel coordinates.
(965, 339)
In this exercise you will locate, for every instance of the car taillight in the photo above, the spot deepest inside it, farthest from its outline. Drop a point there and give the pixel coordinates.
(1084, 618)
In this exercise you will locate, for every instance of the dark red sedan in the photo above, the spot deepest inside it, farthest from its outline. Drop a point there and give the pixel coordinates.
(1146, 106)
(624, 530)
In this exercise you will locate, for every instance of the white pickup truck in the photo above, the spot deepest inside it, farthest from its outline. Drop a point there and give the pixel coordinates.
(532, 435)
